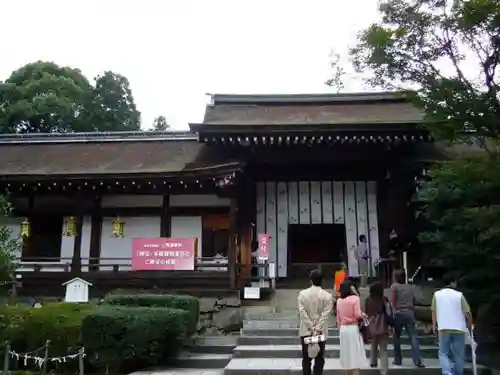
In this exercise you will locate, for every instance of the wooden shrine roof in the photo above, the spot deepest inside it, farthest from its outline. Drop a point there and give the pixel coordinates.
(121, 153)
(324, 109)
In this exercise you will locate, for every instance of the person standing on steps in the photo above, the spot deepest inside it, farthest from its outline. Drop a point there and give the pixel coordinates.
(452, 318)
(315, 305)
(378, 329)
(362, 255)
(403, 302)
(349, 314)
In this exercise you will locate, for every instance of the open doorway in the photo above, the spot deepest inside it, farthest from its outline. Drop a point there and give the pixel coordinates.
(313, 246)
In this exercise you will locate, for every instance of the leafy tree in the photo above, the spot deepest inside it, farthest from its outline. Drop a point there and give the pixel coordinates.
(446, 54)
(113, 104)
(9, 245)
(160, 124)
(462, 205)
(44, 97)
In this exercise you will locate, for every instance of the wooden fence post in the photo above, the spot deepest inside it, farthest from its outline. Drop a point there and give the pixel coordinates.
(45, 357)
(6, 358)
(80, 361)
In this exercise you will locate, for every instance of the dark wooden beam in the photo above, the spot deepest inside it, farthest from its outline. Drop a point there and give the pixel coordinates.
(233, 236)
(76, 261)
(197, 211)
(165, 217)
(96, 230)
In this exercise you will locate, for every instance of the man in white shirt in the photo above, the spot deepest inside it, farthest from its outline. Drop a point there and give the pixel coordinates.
(315, 305)
(452, 318)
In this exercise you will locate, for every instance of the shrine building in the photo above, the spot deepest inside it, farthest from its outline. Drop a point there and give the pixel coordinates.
(314, 172)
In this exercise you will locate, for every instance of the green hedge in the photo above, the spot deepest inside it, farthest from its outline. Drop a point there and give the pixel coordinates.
(131, 338)
(29, 328)
(188, 303)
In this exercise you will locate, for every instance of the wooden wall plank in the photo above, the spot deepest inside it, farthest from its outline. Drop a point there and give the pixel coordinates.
(351, 203)
(371, 188)
(304, 203)
(338, 202)
(326, 202)
(361, 211)
(282, 244)
(351, 227)
(293, 203)
(316, 202)
(271, 219)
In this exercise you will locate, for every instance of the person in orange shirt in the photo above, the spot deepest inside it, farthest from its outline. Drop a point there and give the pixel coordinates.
(339, 278)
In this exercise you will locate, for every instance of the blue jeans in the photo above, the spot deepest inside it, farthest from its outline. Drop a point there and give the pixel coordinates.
(405, 320)
(452, 353)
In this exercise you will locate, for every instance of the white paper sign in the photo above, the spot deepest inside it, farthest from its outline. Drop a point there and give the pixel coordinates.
(77, 290)
(251, 293)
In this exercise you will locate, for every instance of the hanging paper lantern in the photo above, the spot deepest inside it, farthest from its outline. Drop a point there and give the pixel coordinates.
(25, 228)
(70, 227)
(118, 226)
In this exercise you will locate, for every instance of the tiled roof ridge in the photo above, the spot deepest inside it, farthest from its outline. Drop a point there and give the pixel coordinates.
(87, 137)
(307, 98)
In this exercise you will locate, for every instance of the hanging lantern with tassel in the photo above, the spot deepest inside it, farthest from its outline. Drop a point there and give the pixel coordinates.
(25, 228)
(70, 227)
(118, 227)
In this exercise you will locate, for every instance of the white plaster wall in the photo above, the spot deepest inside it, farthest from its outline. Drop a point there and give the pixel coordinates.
(135, 227)
(132, 201)
(67, 245)
(198, 200)
(85, 250)
(187, 227)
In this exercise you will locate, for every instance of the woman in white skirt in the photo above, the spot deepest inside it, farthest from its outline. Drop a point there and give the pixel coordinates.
(349, 314)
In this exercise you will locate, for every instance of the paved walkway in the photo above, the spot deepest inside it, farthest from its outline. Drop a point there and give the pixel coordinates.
(181, 371)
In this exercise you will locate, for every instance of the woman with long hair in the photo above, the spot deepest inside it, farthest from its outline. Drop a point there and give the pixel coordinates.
(403, 302)
(349, 314)
(378, 329)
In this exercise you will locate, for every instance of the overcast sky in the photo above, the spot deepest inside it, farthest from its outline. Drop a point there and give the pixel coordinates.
(175, 51)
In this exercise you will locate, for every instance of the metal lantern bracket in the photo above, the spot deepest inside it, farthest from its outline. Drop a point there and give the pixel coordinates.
(118, 227)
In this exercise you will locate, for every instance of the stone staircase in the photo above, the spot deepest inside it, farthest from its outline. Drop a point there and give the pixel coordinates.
(270, 345)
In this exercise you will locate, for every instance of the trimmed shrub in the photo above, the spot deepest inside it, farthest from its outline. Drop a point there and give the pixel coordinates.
(29, 328)
(121, 338)
(188, 303)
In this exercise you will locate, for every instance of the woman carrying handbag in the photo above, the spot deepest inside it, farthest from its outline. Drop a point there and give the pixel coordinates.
(380, 315)
(349, 314)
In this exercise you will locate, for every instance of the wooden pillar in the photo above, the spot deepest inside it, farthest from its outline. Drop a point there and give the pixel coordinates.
(76, 261)
(95, 234)
(232, 246)
(165, 217)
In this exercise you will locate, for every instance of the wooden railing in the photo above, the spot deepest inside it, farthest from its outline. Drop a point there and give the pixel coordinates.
(256, 274)
(46, 264)
(303, 270)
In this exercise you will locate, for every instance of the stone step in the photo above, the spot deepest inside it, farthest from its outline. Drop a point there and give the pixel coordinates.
(332, 351)
(270, 324)
(180, 371)
(293, 366)
(210, 349)
(288, 331)
(212, 344)
(202, 360)
(332, 340)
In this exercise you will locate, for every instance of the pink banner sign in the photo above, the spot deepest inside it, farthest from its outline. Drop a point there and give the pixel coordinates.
(163, 254)
(263, 249)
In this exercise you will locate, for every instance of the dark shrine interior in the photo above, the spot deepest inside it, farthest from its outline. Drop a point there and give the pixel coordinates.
(316, 243)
